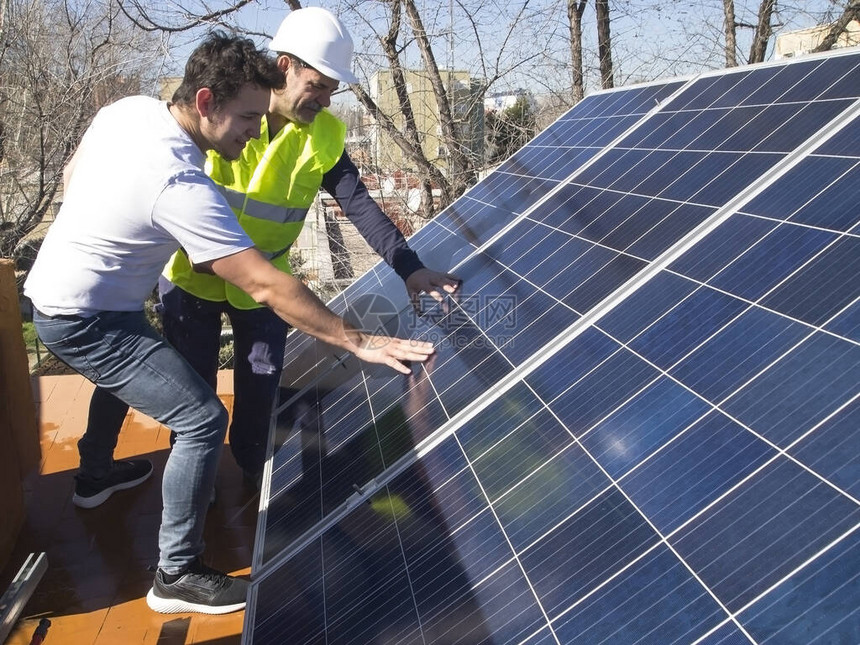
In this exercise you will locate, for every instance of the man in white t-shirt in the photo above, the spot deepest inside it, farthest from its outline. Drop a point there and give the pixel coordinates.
(136, 192)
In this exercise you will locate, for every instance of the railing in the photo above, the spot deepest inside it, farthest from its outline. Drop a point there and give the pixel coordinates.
(19, 430)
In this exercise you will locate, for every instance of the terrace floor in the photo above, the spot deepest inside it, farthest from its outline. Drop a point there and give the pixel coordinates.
(98, 560)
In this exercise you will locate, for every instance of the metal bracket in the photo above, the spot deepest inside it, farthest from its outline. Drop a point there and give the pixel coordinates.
(16, 596)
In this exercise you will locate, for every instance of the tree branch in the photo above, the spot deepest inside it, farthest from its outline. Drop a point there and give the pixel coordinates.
(604, 44)
(852, 12)
(575, 11)
(763, 32)
(731, 33)
(146, 23)
(461, 172)
(412, 151)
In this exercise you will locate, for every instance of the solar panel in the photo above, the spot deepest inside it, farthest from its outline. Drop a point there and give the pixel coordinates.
(527, 177)
(641, 421)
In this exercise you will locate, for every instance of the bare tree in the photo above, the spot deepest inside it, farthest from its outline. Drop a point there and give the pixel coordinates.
(60, 63)
(851, 12)
(405, 40)
(509, 129)
(407, 139)
(731, 33)
(604, 44)
(575, 9)
(454, 96)
(763, 31)
(462, 172)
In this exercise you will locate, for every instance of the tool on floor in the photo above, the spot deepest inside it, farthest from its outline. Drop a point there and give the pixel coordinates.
(41, 632)
(16, 596)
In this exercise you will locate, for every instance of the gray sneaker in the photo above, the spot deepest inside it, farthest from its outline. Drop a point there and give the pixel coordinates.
(90, 493)
(200, 589)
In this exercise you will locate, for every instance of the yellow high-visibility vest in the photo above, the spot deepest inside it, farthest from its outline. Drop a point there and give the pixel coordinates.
(270, 188)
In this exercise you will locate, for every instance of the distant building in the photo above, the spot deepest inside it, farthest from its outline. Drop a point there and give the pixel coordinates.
(466, 104)
(497, 101)
(803, 41)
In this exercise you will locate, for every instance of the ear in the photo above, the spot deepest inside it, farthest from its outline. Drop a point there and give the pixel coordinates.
(204, 101)
(283, 63)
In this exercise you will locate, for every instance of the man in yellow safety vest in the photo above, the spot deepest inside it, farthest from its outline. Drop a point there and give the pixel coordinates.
(270, 188)
(126, 210)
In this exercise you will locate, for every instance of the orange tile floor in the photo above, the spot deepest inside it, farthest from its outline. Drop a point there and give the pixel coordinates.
(93, 591)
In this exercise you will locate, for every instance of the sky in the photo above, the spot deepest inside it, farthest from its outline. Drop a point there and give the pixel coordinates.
(526, 42)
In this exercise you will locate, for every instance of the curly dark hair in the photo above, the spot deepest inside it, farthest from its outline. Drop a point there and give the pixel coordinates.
(224, 64)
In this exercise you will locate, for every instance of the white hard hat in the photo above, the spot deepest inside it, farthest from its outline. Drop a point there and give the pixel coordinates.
(317, 37)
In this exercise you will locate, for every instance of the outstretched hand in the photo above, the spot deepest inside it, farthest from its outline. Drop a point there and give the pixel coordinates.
(394, 352)
(430, 282)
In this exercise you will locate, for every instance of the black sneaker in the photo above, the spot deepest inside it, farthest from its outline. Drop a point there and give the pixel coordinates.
(200, 589)
(90, 493)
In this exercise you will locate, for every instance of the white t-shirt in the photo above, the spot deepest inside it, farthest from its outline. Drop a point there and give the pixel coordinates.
(137, 193)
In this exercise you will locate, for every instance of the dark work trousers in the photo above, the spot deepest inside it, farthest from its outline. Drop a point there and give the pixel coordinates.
(193, 326)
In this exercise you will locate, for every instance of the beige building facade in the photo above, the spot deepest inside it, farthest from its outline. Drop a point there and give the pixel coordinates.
(803, 41)
(466, 97)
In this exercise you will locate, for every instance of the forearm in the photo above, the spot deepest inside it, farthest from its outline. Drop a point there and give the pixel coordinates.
(345, 185)
(294, 302)
(288, 297)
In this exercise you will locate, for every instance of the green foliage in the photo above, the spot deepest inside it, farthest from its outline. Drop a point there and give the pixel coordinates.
(30, 337)
(509, 130)
(226, 355)
(150, 308)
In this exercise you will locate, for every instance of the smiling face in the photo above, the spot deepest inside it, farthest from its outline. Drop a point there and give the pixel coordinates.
(306, 93)
(228, 128)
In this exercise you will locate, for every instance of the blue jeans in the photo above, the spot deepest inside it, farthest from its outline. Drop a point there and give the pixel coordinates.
(193, 326)
(133, 366)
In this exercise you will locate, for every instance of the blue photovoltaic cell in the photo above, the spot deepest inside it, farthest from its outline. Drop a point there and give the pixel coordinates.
(539, 501)
(799, 390)
(771, 261)
(645, 306)
(812, 193)
(764, 530)
(726, 243)
(847, 323)
(831, 276)
(597, 542)
(818, 604)
(657, 596)
(515, 456)
(674, 465)
(686, 326)
(582, 403)
(726, 634)
(543, 638)
(649, 420)
(737, 353)
(698, 466)
(833, 450)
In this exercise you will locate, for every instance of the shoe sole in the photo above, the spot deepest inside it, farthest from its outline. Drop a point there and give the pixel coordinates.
(176, 606)
(100, 498)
